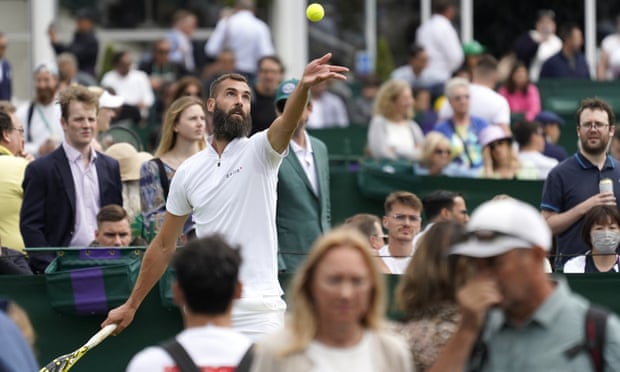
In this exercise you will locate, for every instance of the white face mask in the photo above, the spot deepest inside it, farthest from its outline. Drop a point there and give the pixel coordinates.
(605, 241)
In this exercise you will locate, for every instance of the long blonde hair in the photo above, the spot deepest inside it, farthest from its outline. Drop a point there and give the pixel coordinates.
(168, 135)
(303, 322)
(387, 95)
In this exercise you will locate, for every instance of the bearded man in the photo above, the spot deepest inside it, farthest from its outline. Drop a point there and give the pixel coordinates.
(572, 187)
(41, 117)
(230, 189)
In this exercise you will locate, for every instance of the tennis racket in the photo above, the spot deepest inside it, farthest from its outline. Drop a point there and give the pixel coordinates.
(64, 363)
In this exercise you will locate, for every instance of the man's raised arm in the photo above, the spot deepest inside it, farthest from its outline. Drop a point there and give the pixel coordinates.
(317, 71)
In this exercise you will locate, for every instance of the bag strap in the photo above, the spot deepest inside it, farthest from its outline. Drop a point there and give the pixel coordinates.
(246, 362)
(594, 341)
(180, 356)
(596, 321)
(163, 177)
(29, 122)
(479, 353)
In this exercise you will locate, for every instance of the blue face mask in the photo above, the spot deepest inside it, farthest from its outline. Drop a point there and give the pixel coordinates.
(605, 241)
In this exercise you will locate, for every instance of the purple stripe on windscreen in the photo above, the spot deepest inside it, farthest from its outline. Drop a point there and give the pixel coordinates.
(89, 291)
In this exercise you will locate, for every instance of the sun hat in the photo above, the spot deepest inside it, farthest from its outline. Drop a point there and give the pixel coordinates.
(493, 133)
(128, 160)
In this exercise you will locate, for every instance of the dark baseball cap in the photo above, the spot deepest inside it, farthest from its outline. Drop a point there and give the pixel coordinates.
(549, 117)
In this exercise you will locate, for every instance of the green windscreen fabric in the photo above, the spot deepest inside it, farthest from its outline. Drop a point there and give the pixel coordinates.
(61, 333)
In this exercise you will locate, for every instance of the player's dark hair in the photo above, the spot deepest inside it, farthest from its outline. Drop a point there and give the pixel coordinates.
(207, 271)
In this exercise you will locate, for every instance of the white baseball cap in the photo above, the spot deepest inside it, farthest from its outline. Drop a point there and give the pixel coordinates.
(108, 100)
(499, 226)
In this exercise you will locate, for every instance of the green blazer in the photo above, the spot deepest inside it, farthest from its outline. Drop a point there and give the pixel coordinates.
(301, 214)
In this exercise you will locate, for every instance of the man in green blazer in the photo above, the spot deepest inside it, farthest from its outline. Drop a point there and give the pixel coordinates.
(303, 210)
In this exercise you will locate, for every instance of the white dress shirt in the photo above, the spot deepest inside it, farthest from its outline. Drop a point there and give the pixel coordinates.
(306, 158)
(328, 111)
(87, 197)
(440, 40)
(134, 87)
(247, 36)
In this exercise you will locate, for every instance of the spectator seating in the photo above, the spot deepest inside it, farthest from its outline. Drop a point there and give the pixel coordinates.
(343, 143)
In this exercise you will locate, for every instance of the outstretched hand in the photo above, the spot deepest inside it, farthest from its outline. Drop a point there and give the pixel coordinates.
(318, 71)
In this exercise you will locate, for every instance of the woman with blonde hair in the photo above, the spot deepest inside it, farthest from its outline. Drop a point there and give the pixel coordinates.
(336, 314)
(426, 293)
(436, 159)
(392, 133)
(183, 135)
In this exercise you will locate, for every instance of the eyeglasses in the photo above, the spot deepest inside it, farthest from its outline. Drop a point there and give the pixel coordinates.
(594, 125)
(402, 218)
(20, 130)
(442, 151)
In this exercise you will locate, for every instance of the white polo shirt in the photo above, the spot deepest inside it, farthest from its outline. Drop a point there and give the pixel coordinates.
(235, 195)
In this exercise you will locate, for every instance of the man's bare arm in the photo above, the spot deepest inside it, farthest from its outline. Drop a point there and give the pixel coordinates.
(560, 222)
(154, 263)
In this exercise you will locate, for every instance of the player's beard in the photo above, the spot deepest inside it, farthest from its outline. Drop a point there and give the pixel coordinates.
(227, 126)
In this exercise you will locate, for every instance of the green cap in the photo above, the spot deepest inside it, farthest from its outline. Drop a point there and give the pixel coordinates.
(285, 89)
(473, 48)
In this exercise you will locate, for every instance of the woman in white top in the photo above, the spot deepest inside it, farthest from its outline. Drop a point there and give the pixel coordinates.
(336, 315)
(392, 133)
(601, 231)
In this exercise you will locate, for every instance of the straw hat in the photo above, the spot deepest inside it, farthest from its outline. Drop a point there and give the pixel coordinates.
(129, 160)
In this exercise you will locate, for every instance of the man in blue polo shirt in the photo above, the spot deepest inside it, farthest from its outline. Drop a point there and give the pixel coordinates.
(569, 62)
(572, 187)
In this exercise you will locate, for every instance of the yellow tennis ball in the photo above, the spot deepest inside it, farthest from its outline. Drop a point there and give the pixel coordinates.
(315, 12)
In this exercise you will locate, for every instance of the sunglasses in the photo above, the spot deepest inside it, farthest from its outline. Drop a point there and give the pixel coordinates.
(505, 141)
(442, 151)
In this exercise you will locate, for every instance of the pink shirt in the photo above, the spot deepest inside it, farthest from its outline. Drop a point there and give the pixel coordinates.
(528, 103)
